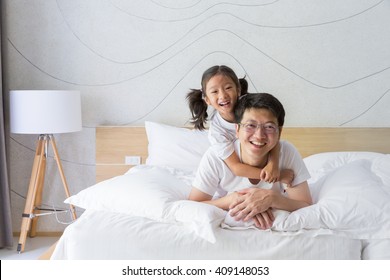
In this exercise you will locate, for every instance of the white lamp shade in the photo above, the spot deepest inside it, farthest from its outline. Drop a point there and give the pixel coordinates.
(45, 111)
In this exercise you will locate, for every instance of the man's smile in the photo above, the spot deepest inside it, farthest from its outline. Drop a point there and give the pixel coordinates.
(258, 144)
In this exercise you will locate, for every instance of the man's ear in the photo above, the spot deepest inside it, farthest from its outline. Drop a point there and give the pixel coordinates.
(237, 129)
(280, 131)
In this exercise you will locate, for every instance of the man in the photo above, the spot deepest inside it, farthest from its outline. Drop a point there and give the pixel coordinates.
(260, 119)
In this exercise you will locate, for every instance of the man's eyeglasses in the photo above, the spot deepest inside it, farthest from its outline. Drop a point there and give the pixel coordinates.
(267, 128)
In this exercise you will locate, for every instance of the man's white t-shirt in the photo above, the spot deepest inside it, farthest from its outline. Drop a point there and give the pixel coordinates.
(215, 178)
(222, 135)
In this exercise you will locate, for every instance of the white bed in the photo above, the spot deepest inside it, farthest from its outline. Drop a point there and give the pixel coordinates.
(143, 214)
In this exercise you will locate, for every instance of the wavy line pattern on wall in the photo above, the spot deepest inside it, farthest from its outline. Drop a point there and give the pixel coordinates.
(208, 20)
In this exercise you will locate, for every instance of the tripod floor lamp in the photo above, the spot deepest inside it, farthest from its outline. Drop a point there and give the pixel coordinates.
(42, 112)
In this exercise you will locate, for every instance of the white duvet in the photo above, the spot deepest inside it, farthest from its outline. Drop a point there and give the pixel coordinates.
(108, 235)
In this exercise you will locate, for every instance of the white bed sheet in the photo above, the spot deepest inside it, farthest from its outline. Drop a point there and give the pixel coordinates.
(100, 235)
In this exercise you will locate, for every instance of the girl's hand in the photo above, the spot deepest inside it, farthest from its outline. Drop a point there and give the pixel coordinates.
(270, 173)
(287, 176)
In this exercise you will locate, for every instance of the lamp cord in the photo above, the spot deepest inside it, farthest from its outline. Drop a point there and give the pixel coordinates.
(54, 211)
(63, 211)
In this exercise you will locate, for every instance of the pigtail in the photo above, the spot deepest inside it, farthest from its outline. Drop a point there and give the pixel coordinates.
(198, 108)
(243, 85)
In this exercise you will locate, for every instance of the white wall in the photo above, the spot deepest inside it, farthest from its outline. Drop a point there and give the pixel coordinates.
(327, 61)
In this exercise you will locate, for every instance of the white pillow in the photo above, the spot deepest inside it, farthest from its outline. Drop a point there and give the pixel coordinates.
(176, 147)
(203, 218)
(353, 200)
(381, 167)
(152, 192)
(145, 191)
(322, 163)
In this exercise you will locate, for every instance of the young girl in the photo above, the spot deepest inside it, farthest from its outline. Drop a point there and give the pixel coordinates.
(221, 89)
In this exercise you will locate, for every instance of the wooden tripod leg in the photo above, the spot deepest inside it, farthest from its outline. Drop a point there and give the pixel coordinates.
(57, 158)
(39, 190)
(37, 172)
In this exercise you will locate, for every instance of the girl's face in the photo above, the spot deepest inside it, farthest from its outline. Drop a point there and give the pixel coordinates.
(222, 93)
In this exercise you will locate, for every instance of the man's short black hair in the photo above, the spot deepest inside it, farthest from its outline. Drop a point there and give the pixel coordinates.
(260, 101)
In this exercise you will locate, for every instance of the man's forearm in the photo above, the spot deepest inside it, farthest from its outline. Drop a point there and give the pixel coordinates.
(284, 203)
(223, 202)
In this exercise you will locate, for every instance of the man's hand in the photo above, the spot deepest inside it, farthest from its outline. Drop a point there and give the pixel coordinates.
(265, 219)
(250, 202)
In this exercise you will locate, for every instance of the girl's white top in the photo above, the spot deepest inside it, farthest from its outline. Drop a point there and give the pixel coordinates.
(222, 135)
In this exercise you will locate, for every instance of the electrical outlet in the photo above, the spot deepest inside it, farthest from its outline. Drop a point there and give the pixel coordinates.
(132, 160)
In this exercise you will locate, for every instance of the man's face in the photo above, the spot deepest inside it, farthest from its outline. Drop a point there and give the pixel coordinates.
(258, 133)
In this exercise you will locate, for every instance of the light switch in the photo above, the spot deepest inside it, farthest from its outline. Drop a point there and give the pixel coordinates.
(132, 160)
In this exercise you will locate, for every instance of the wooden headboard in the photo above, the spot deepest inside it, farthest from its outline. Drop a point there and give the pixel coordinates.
(114, 143)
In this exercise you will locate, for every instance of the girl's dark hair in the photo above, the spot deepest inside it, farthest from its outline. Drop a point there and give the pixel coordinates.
(195, 97)
(260, 101)
(198, 108)
(243, 86)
